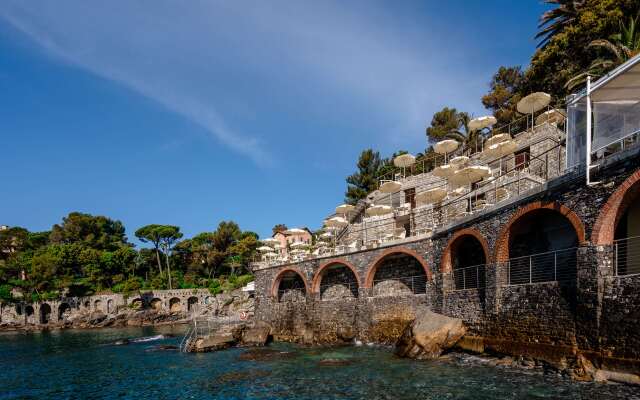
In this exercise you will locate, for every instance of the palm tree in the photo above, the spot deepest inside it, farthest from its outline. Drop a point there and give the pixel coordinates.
(556, 20)
(463, 134)
(619, 48)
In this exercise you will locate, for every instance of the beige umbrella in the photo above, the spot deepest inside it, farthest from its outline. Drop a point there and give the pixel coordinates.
(404, 160)
(533, 102)
(459, 161)
(468, 175)
(551, 116)
(379, 210)
(501, 137)
(299, 245)
(270, 255)
(458, 191)
(444, 171)
(390, 186)
(446, 146)
(336, 222)
(344, 209)
(502, 149)
(264, 249)
(326, 235)
(482, 122)
(431, 196)
(501, 194)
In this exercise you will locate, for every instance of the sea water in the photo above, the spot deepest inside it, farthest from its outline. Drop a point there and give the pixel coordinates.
(88, 365)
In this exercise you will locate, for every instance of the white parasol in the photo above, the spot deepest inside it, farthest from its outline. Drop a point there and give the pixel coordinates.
(444, 171)
(264, 249)
(502, 149)
(554, 116)
(431, 196)
(344, 209)
(270, 255)
(482, 122)
(459, 161)
(404, 160)
(468, 175)
(336, 222)
(446, 146)
(501, 137)
(533, 102)
(299, 245)
(390, 186)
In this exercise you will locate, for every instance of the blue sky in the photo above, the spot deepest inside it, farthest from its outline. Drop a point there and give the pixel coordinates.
(190, 113)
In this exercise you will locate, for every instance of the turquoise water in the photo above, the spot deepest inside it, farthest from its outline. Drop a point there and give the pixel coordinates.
(84, 365)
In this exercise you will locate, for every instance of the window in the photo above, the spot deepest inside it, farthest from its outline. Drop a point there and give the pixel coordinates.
(522, 158)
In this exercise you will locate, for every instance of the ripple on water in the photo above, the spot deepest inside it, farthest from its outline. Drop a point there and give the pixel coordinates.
(85, 364)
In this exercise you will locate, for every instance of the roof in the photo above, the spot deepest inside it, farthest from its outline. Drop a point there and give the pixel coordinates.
(623, 82)
(289, 234)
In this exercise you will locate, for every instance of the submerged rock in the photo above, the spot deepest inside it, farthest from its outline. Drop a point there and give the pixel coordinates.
(429, 335)
(214, 342)
(264, 354)
(334, 362)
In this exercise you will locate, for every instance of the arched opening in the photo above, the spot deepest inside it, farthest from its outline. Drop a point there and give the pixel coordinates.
(45, 313)
(208, 300)
(156, 304)
(64, 312)
(398, 274)
(18, 309)
(110, 306)
(137, 304)
(542, 247)
(627, 234)
(291, 287)
(87, 304)
(192, 304)
(97, 305)
(336, 281)
(468, 259)
(29, 313)
(175, 305)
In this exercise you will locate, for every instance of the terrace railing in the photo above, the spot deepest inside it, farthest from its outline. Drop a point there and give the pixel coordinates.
(559, 265)
(472, 277)
(627, 256)
(389, 286)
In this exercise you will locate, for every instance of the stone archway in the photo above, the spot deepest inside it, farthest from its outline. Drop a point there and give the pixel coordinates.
(466, 256)
(64, 311)
(289, 285)
(137, 304)
(337, 279)
(29, 315)
(398, 271)
(502, 253)
(395, 250)
(156, 304)
(97, 305)
(175, 305)
(605, 226)
(192, 304)
(45, 313)
(110, 306)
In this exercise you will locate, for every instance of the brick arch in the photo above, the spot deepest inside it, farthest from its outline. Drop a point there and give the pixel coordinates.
(502, 244)
(605, 226)
(371, 272)
(445, 263)
(278, 279)
(317, 279)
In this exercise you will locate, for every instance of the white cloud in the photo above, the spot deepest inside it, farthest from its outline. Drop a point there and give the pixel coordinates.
(196, 58)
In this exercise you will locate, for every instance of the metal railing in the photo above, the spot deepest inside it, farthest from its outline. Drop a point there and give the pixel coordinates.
(619, 145)
(627, 256)
(559, 265)
(390, 286)
(472, 277)
(201, 327)
(338, 290)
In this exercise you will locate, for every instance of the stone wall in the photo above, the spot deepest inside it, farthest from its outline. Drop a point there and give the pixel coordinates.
(594, 313)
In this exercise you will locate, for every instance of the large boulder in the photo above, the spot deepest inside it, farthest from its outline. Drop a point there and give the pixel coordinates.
(214, 342)
(429, 335)
(257, 335)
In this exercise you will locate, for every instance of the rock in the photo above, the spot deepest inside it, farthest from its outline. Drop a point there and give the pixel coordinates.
(429, 335)
(214, 342)
(163, 347)
(255, 336)
(97, 317)
(346, 333)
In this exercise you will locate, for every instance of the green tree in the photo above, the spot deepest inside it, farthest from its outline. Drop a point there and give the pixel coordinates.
(555, 21)
(618, 49)
(169, 235)
(279, 228)
(505, 90)
(363, 182)
(97, 232)
(442, 123)
(152, 234)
